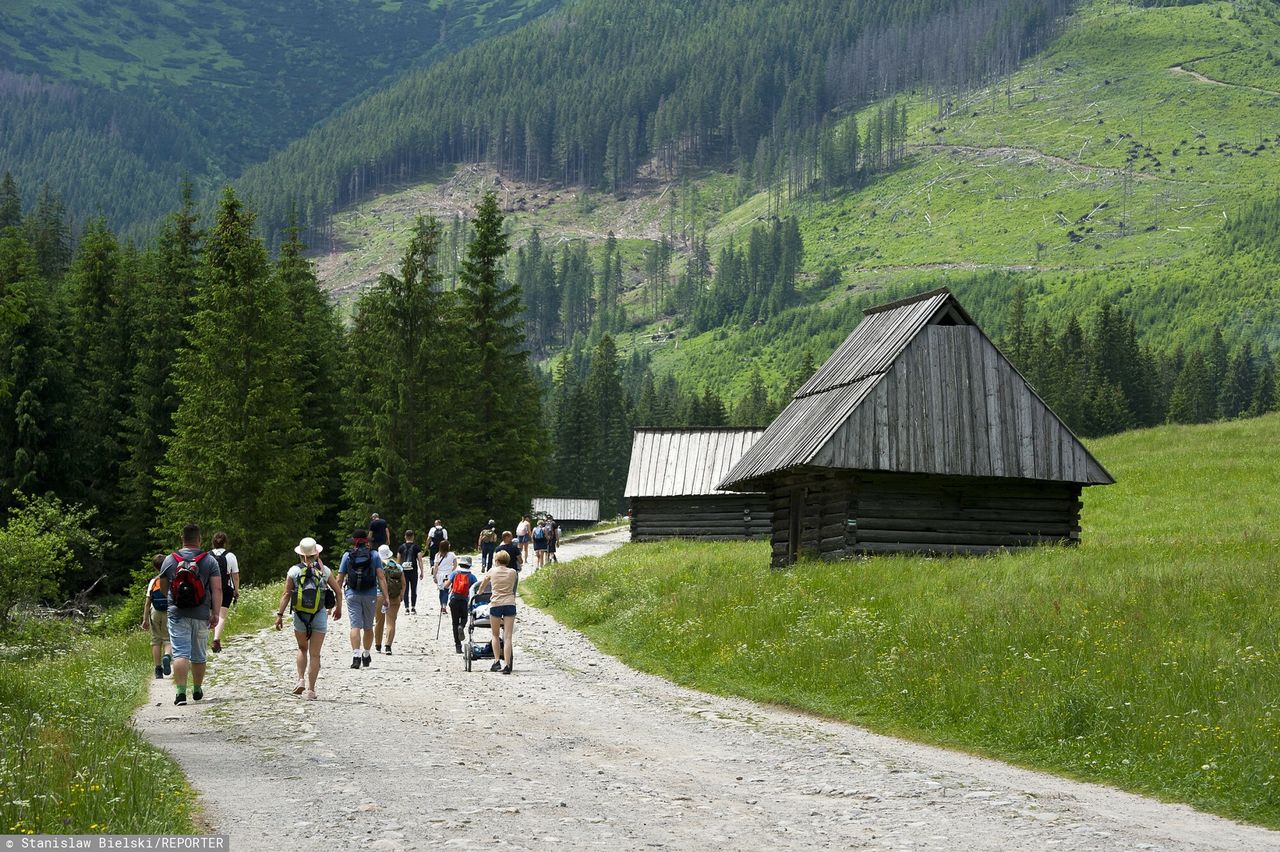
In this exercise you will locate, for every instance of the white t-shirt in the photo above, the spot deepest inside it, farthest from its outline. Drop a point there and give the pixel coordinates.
(295, 573)
(233, 564)
(445, 563)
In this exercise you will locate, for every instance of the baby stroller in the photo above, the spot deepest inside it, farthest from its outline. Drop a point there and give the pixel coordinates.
(477, 616)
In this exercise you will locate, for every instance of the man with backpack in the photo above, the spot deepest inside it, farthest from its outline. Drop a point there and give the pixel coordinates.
(155, 620)
(229, 569)
(435, 538)
(410, 562)
(193, 588)
(379, 532)
(363, 578)
(487, 544)
(459, 584)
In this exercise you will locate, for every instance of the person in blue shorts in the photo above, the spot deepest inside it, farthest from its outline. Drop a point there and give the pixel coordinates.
(308, 630)
(362, 577)
(189, 625)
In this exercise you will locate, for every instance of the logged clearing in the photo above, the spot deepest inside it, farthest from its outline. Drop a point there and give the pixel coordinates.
(576, 750)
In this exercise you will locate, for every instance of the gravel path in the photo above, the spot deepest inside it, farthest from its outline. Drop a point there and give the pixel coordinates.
(576, 750)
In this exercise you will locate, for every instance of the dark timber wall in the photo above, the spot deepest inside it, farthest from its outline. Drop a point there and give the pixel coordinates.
(721, 517)
(837, 514)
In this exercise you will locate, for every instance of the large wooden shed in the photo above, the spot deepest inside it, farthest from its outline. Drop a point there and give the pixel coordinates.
(917, 435)
(671, 486)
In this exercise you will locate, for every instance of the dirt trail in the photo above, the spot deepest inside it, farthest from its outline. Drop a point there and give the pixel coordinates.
(1196, 75)
(575, 750)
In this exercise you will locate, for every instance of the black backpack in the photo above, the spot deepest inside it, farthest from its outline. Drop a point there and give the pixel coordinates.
(437, 535)
(361, 575)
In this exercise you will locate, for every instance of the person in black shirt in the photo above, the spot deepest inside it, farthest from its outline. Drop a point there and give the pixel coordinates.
(510, 547)
(410, 554)
(379, 532)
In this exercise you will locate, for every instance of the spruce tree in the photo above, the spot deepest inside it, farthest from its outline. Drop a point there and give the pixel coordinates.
(498, 387)
(240, 459)
(49, 234)
(609, 430)
(10, 203)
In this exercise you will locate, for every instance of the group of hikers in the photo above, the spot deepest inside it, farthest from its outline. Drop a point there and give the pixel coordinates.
(192, 590)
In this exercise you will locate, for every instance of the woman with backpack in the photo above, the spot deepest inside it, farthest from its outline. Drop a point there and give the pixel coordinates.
(441, 570)
(389, 606)
(307, 589)
(502, 581)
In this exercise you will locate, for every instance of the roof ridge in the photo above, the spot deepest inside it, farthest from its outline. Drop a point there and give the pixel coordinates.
(910, 300)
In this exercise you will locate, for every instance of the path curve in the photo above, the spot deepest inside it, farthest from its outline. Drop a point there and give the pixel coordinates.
(575, 750)
(1196, 75)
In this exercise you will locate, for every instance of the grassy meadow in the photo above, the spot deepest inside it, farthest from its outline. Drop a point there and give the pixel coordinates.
(72, 762)
(1147, 658)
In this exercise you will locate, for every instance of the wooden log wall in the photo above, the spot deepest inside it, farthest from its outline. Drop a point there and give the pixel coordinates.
(717, 518)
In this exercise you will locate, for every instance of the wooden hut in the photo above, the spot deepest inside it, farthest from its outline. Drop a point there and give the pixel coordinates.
(671, 486)
(917, 435)
(569, 512)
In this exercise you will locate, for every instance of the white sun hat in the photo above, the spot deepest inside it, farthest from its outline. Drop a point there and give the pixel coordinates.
(308, 547)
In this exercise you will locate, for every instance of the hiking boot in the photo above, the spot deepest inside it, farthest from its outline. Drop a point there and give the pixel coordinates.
(180, 698)
(496, 667)
(506, 669)
(458, 647)
(366, 659)
(217, 646)
(159, 673)
(197, 693)
(166, 664)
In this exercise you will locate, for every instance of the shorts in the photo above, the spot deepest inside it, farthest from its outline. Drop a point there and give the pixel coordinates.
(361, 608)
(189, 637)
(524, 539)
(159, 626)
(505, 611)
(319, 623)
(539, 545)
(444, 596)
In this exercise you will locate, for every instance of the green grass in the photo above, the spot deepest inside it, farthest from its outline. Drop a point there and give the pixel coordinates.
(1147, 658)
(72, 762)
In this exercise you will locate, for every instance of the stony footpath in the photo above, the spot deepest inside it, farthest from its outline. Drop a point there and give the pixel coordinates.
(575, 750)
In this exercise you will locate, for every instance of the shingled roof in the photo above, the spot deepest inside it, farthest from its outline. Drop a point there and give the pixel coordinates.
(917, 387)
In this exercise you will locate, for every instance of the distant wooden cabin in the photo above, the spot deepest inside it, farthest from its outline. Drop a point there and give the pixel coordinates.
(671, 486)
(569, 512)
(917, 436)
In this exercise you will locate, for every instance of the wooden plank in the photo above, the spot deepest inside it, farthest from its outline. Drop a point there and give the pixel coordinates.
(991, 395)
(954, 538)
(933, 435)
(1059, 526)
(872, 548)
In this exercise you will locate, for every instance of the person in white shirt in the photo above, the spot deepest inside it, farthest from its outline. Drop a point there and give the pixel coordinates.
(445, 563)
(229, 568)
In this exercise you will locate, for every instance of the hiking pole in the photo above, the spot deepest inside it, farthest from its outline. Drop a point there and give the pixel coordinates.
(439, 618)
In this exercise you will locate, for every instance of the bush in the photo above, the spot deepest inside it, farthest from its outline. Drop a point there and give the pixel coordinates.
(42, 537)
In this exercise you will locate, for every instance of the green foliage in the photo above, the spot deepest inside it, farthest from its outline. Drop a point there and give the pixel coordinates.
(40, 539)
(240, 458)
(1147, 657)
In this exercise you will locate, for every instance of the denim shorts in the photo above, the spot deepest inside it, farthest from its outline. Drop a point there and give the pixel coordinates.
(319, 623)
(524, 539)
(507, 611)
(361, 609)
(188, 636)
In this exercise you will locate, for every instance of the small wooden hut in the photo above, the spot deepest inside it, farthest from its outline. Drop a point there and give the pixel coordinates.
(671, 486)
(917, 435)
(569, 512)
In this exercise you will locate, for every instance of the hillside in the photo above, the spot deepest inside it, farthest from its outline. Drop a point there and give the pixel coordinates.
(112, 103)
(1145, 658)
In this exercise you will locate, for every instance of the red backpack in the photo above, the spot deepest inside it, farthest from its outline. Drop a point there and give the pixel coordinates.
(461, 584)
(187, 589)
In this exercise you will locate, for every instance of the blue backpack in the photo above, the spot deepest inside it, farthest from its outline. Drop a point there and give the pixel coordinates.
(361, 575)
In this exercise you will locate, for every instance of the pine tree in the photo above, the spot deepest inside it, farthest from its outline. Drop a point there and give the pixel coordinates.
(505, 462)
(10, 203)
(49, 234)
(609, 429)
(1235, 395)
(240, 458)
(1264, 390)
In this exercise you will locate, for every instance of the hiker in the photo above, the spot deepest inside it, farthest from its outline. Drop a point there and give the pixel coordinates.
(444, 565)
(361, 572)
(512, 550)
(307, 587)
(379, 532)
(487, 544)
(540, 542)
(388, 607)
(410, 561)
(460, 583)
(190, 580)
(155, 618)
(502, 581)
(553, 538)
(523, 530)
(229, 568)
(434, 538)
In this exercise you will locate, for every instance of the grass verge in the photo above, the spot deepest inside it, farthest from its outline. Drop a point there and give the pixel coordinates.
(72, 762)
(1147, 658)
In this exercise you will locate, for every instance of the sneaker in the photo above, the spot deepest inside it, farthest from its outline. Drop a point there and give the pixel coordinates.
(388, 650)
(458, 648)
(197, 693)
(496, 667)
(355, 662)
(298, 687)
(414, 610)
(366, 659)
(180, 698)
(217, 646)
(159, 673)
(506, 669)
(379, 647)
(311, 695)
(166, 664)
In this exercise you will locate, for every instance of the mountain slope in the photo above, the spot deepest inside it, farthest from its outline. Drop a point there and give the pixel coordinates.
(157, 88)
